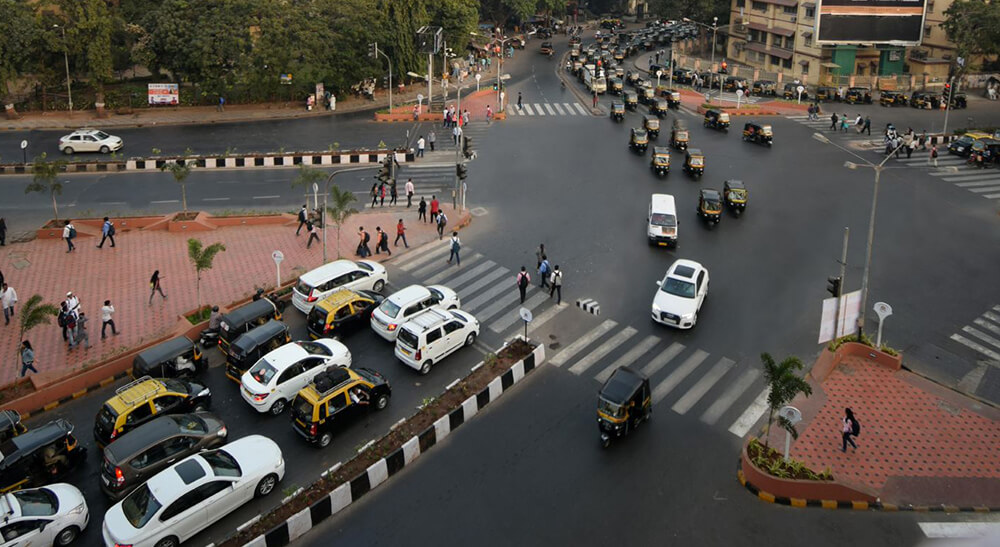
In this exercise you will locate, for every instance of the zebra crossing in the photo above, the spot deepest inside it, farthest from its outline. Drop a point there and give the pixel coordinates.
(983, 335)
(548, 109)
(956, 170)
(823, 124)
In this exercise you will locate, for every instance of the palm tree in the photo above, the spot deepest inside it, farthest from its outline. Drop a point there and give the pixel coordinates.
(339, 208)
(202, 258)
(45, 178)
(784, 385)
(34, 312)
(180, 169)
(308, 176)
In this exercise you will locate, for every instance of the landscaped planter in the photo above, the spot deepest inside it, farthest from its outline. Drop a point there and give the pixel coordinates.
(796, 491)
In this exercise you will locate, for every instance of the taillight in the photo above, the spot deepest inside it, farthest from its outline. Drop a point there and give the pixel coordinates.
(114, 433)
(417, 356)
(313, 429)
(391, 327)
(123, 544)
(326, 329)
(119, 477)
(260, 396)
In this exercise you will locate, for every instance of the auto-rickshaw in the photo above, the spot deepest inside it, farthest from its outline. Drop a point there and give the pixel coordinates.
(639, 140)
(764, 87)
(616, 87)
(760, 134)
(618, 72)
(170, 359)
(630, 78)
(10, 425)
(856, 95)
(631, 100)
(791, 91)
(40, 456)
(827, 93)
(652, 126)
(679, 135)
(716, 119)
(647, 94)
(659, 107)
(694, 162)
(661, 160)
(618, 111)
(673, 97)
(735, 194)
(710, 206)
(891, 98)
(623, 403)
(958, 100)
(920, 99)
(732, 83)
(619, 55)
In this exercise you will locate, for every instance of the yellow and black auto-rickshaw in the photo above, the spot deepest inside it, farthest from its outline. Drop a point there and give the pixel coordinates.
(735, 195)
(646, 94)
(661, 160)
(618, 111)
(616, 87)
(858, 95)
(631, 100)
(717, 119)
(758, 133)
(762, 88)
(673, 97)
(624, 402)
(40, 456)
(694, 162)
(652, 126)
(659, 107)
(10, 425)
(639, 140)
(920, 99)
(791, 91)
(827, 93)
(679, 135)
(710, 206)
(892, 98)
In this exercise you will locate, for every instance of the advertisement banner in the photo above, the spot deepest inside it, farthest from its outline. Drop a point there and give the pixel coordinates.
(839, 319)
(894, 22)
(163, 94)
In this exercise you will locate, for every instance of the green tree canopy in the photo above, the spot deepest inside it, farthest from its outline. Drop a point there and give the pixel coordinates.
(974, 27)
(18, 38)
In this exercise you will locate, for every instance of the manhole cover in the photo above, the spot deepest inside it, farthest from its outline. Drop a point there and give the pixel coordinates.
(478, 211)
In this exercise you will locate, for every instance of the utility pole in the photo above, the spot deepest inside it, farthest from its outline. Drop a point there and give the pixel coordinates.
(430, 80)
(458, 147)
(843, 278)
(947, 109)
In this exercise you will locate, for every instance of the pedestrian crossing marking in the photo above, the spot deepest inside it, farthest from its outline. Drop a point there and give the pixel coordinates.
(959, 530)
(971, 178)
(701, 387)
(972, 184)
(992, 196)
(750, 416)
(546, 315)
(497, 306)
(448, 272)
(976, 346)
(414, 260)
(467, 275)
(987, 189)
(982, 336)
(482, 282)
(986, 324)
(559, 109)
(729, 396)
(662, 359)
(633, 354)
(678, 375)
(583, 364)
(527, 108)
(508, 319)
(548, 107)
(432, 266)
(569, 351)
(581, 108)
(485, 297)
(538, 109)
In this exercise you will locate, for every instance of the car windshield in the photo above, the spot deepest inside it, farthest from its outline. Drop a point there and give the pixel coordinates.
(37, 503)
(222, 464)
(304, 288)
(175, 385)
(312, 348)
(263, 371)
(608, 408)
(663, 219)
(366, 267)
(189, 423)
(102, 135)
(678, 287)
(407, 338)
(140, 506)
(389, 308)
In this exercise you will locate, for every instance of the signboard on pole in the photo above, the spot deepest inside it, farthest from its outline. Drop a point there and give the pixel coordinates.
(849, 311)
(893, 22)
(163, 94)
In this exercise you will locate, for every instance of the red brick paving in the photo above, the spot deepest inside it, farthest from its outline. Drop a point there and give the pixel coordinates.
(122, 275)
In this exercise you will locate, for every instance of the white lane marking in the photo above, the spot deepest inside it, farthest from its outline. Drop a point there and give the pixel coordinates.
(559, 109)
(700, 388)
(662, 359)
(496, 307)
(514, 315)
(982, 336)
(750, 416)
(117, 202)
(570, 110)
(582, 365)
(468, 275)
(996, 186)
(636, 352)
(992, 317)
(487, 296)
(581, 108)
(940, 530)
(266, 197)
(678, 375)
(973, 184)
(527, 108)
(569, 351)
(538, 109)
(728, 397)
(992, 196)
(449, 272)
(167, 201)
(415, 259)
(548, 108)
(545, 317)
(469, 291)
(215, 199)
(432, 266)
(964, 178)
(978, 347)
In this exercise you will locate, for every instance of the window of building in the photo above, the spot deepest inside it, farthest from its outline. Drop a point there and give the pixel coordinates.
(790, 42)
(775, 61)
(927, 31)
(758, 6)
(741, 3)
(808, 40)
(790, 10)
(810, 13)
(786, 63)
(930, 7)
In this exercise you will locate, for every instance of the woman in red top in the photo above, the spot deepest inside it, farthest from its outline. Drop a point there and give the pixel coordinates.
(401, 234)
(434, 208)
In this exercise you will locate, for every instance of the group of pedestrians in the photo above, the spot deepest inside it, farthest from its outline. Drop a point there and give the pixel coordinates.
(452, 118)
(379, 190)
(549, 277)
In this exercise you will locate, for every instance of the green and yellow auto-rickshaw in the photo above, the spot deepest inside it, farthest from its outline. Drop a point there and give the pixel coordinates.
(631, 100)
(758, 133)
(659, 107)
(616, 87)
(652, 126)
(624, 402)
(694, 162)
(735, 195)
(639, 140)
(618, 111)
(660, 163)
(679, 135)
(717, 119)
(710, 206)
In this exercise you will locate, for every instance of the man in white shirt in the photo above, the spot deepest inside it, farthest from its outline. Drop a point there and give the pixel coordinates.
(69, 232)
(409, 192)
(72, 302)
(106, 312)
(8, 297)
(420, 146)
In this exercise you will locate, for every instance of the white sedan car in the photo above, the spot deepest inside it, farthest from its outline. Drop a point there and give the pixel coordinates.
(187, 497)
(682, 292)
(89, 140)
(53, 515)
(403, 304)
(278, 376)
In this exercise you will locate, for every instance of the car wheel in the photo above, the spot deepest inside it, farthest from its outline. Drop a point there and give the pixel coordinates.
(278, 407)
(470, 339)
(168, 542)
(426, 367)
(378, 286)
(381, 402)
(67, 536)
(105, 149)
(324, 440)
(265, 486)
(68, 150)
(200, 407)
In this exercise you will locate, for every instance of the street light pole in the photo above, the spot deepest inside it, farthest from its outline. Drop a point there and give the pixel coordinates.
(947, 108)
(715, 28)
(458, 147)
(388, 60)
(69, 86)
(326, 194)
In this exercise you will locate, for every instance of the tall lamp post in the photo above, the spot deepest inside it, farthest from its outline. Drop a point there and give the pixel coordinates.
(69, 86)
(714, 27)
(377, 52)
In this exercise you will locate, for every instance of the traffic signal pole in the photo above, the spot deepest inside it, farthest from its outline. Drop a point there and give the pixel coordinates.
(843, 278)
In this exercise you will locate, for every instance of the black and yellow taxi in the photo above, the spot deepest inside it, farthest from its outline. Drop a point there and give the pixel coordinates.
(858, 95)
(144, 399)
(892, 98)
(336, 394)
(827, 93)
(922, 100)
(639, 140)
(341, 311)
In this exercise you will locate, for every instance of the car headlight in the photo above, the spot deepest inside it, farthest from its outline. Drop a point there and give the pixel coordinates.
(204, 393)
(78, 509)
(656, 309)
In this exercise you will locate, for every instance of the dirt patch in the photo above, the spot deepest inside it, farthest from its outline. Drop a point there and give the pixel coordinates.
(185, 217)
(475, 382)
(16, 390)
(772, 462)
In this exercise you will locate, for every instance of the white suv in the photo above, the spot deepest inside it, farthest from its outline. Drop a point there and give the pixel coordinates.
(402, 305)
(89, 140)
(434, 335)
(317, 284)
(682, 292)
(278, 376)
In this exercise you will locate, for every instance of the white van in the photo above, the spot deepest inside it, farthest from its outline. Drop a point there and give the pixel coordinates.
(319, 283)
(433, 335)
(661, 221)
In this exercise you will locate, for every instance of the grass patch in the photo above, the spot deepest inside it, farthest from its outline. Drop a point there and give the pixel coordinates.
(200, 315)
(773, 463)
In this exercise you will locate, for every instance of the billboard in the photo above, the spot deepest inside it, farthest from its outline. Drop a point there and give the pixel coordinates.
(893, 22)
(163, 94)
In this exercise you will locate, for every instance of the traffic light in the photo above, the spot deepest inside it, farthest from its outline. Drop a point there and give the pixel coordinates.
(833, 286)
(373, 50)
(467, 150)
(947, 87)
(461, 170)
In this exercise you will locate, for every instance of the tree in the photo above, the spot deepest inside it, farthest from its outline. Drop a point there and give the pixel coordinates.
(783, 386)
(974, 27)
(45, 178)
(202, 258)
(339, 208)
(18, 32)
(89, 26)
(180, 169)
(307, 177)
(34, 312)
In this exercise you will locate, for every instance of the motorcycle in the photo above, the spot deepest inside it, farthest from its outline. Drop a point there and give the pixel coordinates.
(210, 336)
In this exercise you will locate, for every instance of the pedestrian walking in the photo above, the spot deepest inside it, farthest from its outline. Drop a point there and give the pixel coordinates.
(27, 358)
(833, 121)
(456, 134)
(447, 119)
(392, 193)
(843, 122)
(71, 319)
(107, 232)
(313, 233)
(442, 221)
(456, 246)
(82, 336)
(72, 302)
(61, 320)
(910, 148)
(544, 269)
(465, 118)
(400, 234)
(378, 239)
(595, 99)
(934, 155)
(154, 286)
(523, 280)
(422, 210)
(381, 195)
(435, 207)
(222, 104)
(489, 114)
(303, 217)
(868, 125)
(519, 100)
(850, 428)
(923, 140)
(431, 139)
(421, 143)
(409, 191)
(69, 234)
(363, 238)
(3, 232)
(539, 254)
(556, 281)
(8, 297)
(107, 313)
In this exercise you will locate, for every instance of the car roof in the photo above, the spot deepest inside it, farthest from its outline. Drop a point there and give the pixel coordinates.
(172, 483)
(338, 298)
(431, 317)
(137, 392)
(286, 355)
(682, 266)
(409, 294)
(663, 203)
(142, 437)
(326, 271)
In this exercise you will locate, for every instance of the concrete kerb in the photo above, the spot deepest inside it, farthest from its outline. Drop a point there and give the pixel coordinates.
(385, 468)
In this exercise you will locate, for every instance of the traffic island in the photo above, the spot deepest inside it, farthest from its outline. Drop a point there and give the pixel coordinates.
(344, 484)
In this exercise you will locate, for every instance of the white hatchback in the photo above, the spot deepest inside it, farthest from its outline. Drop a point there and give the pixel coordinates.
(191, 495)
(317, 284)
(434, 335)
(53, 515)
(402, 305)
(681, 293)
(89, 140)
(278, 376)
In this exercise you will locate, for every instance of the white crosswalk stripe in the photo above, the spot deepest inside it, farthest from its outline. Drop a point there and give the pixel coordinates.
(526, 108)
(663, 358)
(569, 351)
(548, 109)
(559, 109)
(462, 277)
(538, 110)
(960, 530)
(704, 384)
(414, 260)
(679, 374)
(582, 365)
(728, 397)
(750, 416)
(512, 316)
(487, 296)
(637, 351)
(492, 276)
(956, 170)
(444, 274)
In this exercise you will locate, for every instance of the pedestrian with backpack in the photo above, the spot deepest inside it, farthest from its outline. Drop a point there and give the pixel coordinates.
(456, 246)
(72, 316)
(544, 269)
(363, 249)
(69, 234)
(313, 232)
(934, 155)
(851, 428)
(107, 232)
(303, 217)
(61, 320)
(442, 221)
(523, 280)
(381, 241)
(556, 281)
